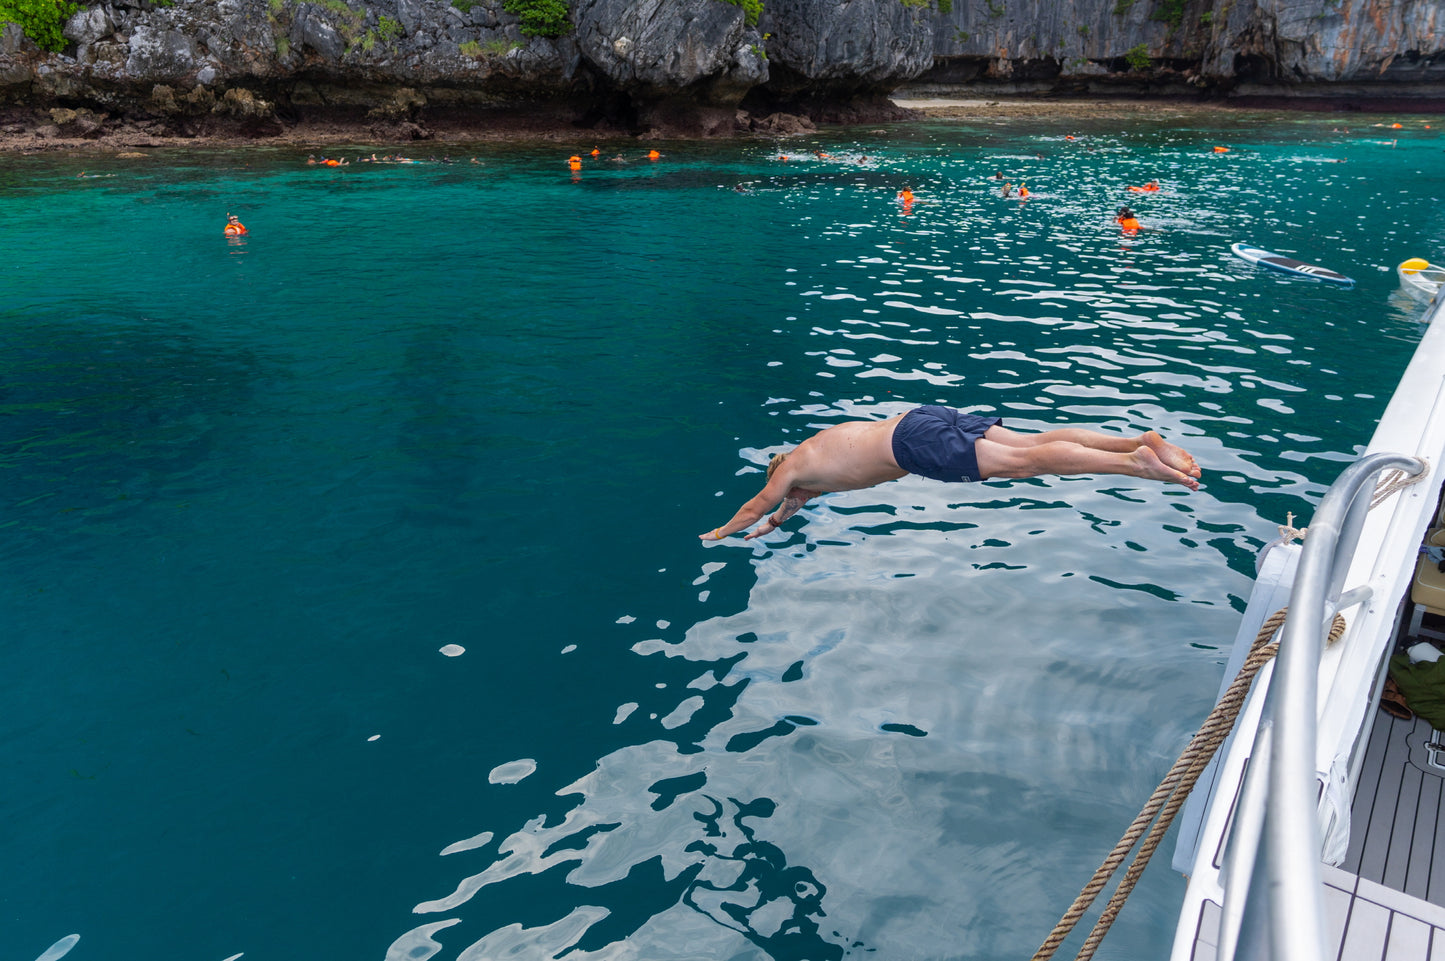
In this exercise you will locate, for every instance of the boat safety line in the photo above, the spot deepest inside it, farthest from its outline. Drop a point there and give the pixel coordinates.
(1169, 797)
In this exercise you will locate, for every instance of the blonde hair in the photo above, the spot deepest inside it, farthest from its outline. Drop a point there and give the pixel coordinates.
(776, 462)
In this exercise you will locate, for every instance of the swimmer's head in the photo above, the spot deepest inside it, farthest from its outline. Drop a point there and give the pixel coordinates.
(776, 462)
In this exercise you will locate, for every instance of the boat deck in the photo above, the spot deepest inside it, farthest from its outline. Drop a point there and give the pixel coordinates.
(1387, 899)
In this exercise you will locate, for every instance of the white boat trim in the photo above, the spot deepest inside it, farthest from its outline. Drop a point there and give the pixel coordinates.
(1239, 904)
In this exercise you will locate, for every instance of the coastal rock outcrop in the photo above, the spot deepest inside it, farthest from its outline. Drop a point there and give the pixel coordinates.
(1375, 42)
(846, 46)
(696, 67)
(836, 60)
(679, 63)
(1300, 48)
(654, 46)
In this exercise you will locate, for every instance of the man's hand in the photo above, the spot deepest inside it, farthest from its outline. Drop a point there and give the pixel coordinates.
(766, 527)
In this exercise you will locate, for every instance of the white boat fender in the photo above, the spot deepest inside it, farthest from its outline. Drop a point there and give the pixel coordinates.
(1424, 651)
(1334, 812)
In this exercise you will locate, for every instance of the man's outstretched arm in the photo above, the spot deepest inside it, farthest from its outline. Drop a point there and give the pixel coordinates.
(747, 516)
(750, 513)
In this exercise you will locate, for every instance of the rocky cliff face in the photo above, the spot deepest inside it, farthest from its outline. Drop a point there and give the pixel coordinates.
(1359, 42)
(688, 65)
(1284, 47)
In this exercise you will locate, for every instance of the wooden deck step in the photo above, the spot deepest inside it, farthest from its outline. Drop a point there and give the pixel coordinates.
(1397, 838)
(1386, 901)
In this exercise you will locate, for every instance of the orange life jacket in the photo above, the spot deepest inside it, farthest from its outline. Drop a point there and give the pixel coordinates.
(235, 229)
(1128, 223)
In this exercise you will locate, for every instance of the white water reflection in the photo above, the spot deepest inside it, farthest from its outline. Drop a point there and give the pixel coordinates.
(512, 771)
(940, 704)
(880, 767)
(60, 948)
(418, 943)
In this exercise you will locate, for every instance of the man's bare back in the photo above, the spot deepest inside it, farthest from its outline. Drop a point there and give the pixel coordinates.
(859, 454)
(844, 457)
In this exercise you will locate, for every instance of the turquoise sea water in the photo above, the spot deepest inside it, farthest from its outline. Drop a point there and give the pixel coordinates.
(351, 596)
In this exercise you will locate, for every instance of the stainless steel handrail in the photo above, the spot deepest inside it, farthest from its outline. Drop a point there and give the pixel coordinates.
(1293, 912)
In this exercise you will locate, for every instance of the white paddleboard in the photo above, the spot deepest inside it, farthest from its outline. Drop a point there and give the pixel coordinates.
(1288, 265)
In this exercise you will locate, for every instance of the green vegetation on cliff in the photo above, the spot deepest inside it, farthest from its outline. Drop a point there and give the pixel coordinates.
(1168, 11)
(540, 18)
(944, 6)
(42, 20)
(387, 30)
(476, 50)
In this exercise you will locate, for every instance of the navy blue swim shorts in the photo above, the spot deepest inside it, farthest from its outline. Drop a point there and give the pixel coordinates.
(938, 442)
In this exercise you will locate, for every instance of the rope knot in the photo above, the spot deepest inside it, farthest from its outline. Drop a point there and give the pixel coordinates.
(1288, 532)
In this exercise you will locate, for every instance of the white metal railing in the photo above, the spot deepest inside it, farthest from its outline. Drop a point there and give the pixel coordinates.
(1284, 921)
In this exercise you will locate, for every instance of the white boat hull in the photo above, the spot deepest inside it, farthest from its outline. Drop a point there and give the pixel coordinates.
(1217, 826)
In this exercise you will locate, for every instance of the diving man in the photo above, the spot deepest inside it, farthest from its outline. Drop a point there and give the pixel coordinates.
(948, 445)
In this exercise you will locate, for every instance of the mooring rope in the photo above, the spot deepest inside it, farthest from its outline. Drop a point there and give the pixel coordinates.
(1168, 797)
(1395, 480)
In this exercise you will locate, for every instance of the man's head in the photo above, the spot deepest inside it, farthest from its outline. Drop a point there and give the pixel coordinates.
(776, 462)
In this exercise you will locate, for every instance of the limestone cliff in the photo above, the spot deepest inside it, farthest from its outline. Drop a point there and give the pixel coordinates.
(1392, 48)
(689, 65)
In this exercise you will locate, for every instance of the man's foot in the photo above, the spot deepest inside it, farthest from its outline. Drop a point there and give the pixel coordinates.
(1152, 467)
(1175, 457)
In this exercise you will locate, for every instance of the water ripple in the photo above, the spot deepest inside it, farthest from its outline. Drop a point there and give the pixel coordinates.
(906, 725)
